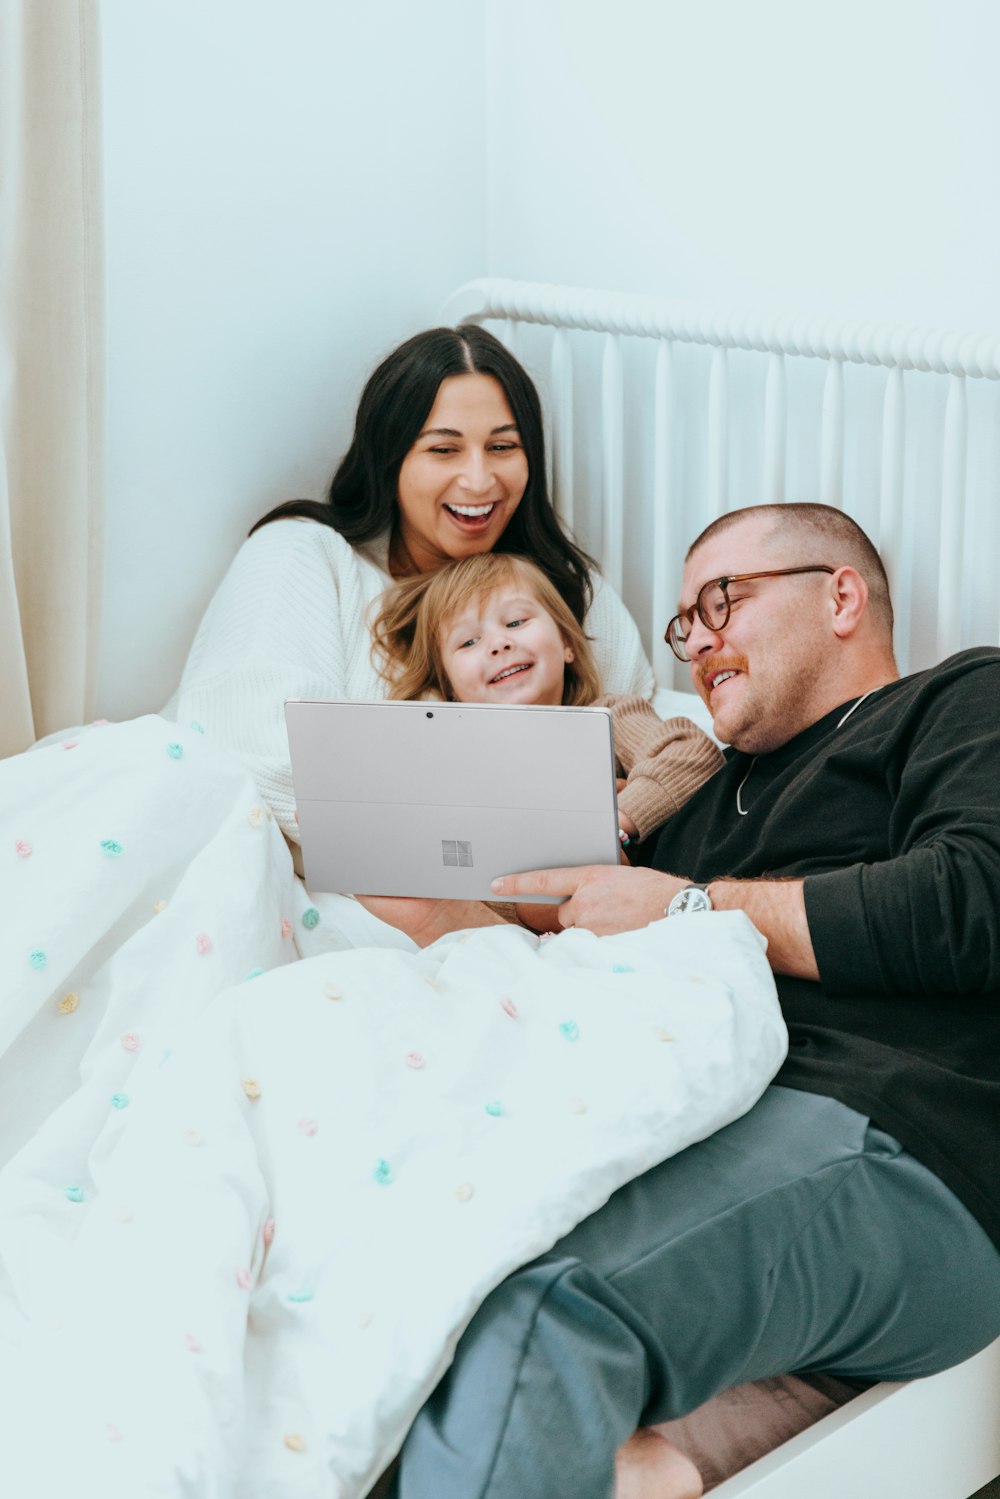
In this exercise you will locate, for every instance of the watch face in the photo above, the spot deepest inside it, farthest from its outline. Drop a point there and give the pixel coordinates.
(691, 899)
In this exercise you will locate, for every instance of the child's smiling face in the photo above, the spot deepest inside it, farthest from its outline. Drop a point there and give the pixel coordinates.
(505, 648)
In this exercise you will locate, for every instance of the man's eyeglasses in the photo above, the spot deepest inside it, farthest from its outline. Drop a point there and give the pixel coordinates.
(712, 605)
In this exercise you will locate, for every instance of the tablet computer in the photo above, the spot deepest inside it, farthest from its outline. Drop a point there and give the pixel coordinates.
(437, 799)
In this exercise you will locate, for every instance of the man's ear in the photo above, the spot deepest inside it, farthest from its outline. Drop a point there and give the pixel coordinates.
(849, 600)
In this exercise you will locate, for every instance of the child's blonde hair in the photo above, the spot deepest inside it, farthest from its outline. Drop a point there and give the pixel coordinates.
(407, 629)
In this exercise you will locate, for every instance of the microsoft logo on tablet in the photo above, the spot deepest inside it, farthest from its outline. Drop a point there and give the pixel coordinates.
(457, 853)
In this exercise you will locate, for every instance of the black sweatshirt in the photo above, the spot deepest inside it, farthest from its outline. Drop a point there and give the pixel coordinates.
(893, 818)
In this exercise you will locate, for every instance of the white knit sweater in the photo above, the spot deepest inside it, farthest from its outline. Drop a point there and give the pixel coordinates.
(290, 619)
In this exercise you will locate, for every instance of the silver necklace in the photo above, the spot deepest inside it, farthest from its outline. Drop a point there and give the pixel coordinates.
(739, 805)
(840, 724)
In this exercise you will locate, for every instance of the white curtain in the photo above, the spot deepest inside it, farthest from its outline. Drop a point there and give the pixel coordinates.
(51, 365)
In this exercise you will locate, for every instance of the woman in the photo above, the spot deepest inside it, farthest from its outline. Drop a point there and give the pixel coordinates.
(447, 460)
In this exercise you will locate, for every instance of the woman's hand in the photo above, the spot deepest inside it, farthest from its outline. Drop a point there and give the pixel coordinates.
(426, 920)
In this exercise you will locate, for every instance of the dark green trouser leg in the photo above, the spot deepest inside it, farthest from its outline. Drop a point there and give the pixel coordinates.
(797, 1238)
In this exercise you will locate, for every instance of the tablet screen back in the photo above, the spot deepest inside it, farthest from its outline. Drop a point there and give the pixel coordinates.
(437, 799)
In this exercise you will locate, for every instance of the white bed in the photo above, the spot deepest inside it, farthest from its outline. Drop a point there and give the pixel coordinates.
(664, 415)
(136, 941)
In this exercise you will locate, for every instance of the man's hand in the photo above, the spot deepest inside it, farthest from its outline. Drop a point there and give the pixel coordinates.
(603, 898)
(607, 899)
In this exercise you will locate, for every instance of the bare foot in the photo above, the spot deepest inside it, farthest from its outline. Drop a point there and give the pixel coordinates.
(539, 918)
(427, 920)
(647, 1466)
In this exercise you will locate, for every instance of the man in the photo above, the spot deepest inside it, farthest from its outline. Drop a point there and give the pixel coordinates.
(849, 1222)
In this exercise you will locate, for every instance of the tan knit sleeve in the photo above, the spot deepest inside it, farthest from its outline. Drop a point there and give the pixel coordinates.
(663, 760)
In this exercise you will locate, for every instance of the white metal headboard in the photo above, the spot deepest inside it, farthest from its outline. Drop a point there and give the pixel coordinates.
(730, 406)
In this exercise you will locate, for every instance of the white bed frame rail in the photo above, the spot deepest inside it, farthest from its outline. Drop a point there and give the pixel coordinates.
(918, 465)
(936, 1438)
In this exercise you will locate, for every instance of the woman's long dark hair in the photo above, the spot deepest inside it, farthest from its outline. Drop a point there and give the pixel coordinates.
(362, 500)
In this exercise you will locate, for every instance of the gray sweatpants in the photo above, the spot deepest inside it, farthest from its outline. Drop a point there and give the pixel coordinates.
(799, 1238)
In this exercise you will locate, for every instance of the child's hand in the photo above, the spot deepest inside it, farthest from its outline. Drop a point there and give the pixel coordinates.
(627, 825)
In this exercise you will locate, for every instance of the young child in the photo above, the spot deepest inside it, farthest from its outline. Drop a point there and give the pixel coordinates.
(492, 629)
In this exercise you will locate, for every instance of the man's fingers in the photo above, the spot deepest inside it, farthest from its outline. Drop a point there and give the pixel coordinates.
(537, 882)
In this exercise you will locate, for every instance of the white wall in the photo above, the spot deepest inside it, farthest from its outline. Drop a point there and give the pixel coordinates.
(292, 186)
(825, 156)
(776, 155)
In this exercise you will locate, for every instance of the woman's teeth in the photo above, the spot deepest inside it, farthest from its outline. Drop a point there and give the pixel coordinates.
(471, 512)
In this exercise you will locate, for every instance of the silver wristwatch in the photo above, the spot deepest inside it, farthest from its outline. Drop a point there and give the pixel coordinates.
(691, 898)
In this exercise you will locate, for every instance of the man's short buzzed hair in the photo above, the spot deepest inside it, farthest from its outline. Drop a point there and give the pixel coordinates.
(822, 530)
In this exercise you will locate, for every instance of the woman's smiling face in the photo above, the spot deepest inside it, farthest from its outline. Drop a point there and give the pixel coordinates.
(505, 648)
(463, 478)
